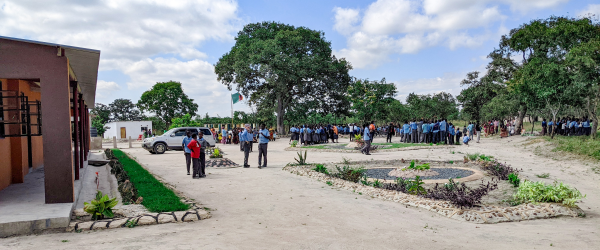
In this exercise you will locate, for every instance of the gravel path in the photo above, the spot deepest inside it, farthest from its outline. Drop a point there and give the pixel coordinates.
(444, 173)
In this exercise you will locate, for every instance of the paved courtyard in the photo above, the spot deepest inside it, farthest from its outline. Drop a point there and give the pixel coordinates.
(270, 208)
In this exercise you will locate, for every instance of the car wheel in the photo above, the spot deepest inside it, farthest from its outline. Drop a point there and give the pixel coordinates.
(152, 151)
(160, 148)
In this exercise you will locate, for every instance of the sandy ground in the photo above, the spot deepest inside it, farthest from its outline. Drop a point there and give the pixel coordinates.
(274, 209)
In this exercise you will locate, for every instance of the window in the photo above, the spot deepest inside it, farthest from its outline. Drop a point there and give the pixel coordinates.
(144, 129)
(1, 112)
(180, 132)
(206, 132)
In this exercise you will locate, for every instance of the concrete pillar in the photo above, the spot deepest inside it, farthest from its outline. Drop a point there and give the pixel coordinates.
(114, 142)
(76, 128)
(130, 142)
(58, 163)
(86, 131)
(81, 134)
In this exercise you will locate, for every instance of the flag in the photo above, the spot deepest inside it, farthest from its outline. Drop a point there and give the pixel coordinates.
(236, 97)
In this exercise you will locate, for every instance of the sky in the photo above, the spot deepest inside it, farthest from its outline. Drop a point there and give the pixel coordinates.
(422, 46)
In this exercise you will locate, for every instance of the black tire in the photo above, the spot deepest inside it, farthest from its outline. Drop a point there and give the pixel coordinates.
(160, 148)
(152, 152)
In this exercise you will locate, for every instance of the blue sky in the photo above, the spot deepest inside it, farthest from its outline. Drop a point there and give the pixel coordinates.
(423, 46)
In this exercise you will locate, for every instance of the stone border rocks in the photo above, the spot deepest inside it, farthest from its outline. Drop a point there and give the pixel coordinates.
(482, 214)
(141, 220)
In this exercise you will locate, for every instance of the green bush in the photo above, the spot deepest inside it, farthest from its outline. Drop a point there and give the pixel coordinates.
(582, 145)
(294, 143)
(514, 179)
(473, 157)
(350, 174)
(421, 167)
(321, 169)
(100, 207)
(301, 160)
(530, 191)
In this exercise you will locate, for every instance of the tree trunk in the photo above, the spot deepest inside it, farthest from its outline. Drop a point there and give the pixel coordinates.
(522, 113)
(280, 114)
(593, 113)
(533, 123)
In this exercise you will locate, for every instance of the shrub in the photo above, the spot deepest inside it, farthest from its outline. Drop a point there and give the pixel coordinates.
(377, 183)
(514, 179)
(401, 185)
(485, 158)
(294, 143)
(349, 174)
(530, 191)
(417, 167)
(502, 171)
(100, 207)
(321, 169)
(216, 153)
(459, 194)
(416, 186)
(473, 157)
(301, 160)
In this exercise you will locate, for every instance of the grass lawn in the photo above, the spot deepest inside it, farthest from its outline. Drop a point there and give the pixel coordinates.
(582, 145)
(324, 146)
(157, 197)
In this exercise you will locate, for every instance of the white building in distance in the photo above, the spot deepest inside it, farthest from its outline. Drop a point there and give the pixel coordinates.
(125, 129)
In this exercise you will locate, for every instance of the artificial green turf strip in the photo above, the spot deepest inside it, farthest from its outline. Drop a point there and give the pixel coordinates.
(402, 145)
(157, 197)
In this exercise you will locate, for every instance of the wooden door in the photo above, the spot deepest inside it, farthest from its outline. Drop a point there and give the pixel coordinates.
(123, 133)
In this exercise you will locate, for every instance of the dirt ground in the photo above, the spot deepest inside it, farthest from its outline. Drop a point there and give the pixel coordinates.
(274, 209)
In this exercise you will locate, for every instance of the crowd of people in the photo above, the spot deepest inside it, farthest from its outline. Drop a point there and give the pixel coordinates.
(568, 126)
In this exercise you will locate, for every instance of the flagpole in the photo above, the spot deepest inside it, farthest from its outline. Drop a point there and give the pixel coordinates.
(231, 111)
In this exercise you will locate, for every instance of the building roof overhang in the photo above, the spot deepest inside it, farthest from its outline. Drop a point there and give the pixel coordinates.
(83, 63)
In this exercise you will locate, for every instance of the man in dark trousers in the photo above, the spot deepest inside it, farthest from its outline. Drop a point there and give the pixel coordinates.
(263, 142)
(186, 151)
(390, 132)
(246, 138)
(203, 146)
(194, 147)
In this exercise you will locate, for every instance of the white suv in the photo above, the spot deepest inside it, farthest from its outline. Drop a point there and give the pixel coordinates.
(173, 138)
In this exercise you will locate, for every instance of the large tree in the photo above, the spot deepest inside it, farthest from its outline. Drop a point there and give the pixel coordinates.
(167, 101)
(124, 110)
(544, 80)
(479, 92)
(584, 60)
(100, 116)
(278, 65)
(370, 99)
(440, 105)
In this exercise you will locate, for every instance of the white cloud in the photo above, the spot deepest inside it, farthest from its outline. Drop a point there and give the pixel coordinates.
(593, 9)
(140, 38)
(124, 30)
(388, 27)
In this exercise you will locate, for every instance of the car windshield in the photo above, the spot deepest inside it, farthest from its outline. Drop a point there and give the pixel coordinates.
(171, 131)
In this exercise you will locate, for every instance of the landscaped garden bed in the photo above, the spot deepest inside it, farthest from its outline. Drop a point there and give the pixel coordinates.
(353, 147)
(137, 187)
(495, 195)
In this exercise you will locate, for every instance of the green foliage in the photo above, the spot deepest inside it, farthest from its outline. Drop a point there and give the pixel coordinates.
(479, 92)
(101, 115)
(321, 169)
(513, 179)
(156, 196)
(473, 157)
(184, 121)
(124, 110)
(301, 160)
(377, 183)
(578, 145)
(259, 66)
(441, 105)
(543, 176)
(349, 174)
(486, 158)
(131, 223)
(370, 99)
(451, 185)
(100, 207)
(216, 153)
(413, 166)
(329, 183)
(294, 143)
(345, 161)
(416, 186)
(167, 101)
(530, 191)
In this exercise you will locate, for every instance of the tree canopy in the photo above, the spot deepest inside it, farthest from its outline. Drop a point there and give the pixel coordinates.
(167, 101)
(278, 65)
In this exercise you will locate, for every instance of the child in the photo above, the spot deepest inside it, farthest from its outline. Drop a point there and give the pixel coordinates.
(458, 135)
(466, 140)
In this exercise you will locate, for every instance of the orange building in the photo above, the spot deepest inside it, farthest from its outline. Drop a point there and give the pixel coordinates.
(45, 92)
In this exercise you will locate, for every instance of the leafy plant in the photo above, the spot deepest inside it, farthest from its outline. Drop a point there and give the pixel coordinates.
(349, 174)
(321, 169)
(530, 191)
(514, 179)
(500, 170)
(473, 157)
(417, 167)
(485, 158)
(301, 160)
(544, 175)
(365, 181)
(100, 207)
(131, 224)
(416, 186)
(377, 183)
(329, 183)
(459, 194)
(345, 161)
(216, 153)
(451, 162)
(294, 143)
